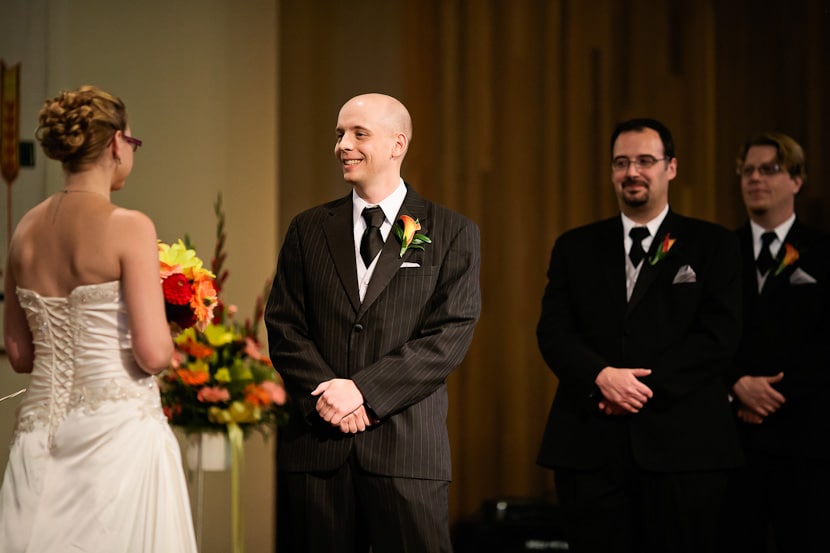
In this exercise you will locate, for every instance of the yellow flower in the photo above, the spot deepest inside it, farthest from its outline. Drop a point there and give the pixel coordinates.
(238, 412)
(222, 375)
(179, 256)
(219, 335)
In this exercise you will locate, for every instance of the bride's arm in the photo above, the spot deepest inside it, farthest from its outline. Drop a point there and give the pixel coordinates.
(20, 348)
(138, 252)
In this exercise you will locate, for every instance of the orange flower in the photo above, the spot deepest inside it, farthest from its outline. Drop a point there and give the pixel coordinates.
(203, 301)
(195, 349)
(255, 395)
(791, 255)
(193, 378)
(410, 225)
(406, 233)
(663, 251)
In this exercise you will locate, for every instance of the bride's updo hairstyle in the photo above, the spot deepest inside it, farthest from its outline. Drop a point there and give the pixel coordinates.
(76, 126)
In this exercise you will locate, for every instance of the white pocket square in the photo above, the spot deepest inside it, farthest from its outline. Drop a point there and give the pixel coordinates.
(407, 264)
(685, 274)
(799, 276)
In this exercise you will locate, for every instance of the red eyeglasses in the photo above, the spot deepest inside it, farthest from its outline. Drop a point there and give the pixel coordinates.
(134, 142)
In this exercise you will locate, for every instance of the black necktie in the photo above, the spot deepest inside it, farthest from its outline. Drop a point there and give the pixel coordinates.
(637, 253)
(764, 261)
(372, 241)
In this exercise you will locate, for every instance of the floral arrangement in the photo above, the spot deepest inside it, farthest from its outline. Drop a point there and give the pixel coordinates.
(663, 250)
(219, 379)
(406, 234)
(791, 255)
(189, 292)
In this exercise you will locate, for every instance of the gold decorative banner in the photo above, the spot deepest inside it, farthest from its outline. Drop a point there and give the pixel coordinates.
(9, 121)
(9, 134)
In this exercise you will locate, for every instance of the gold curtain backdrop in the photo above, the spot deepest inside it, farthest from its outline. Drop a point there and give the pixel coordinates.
(513, 103)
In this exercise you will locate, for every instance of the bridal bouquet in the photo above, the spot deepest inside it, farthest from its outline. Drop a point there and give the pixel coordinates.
(219, 380)
(190, 295)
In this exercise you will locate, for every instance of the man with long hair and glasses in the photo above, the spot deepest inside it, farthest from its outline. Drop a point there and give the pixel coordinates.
(782, 373)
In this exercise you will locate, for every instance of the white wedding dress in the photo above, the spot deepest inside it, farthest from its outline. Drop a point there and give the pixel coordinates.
(93, 465)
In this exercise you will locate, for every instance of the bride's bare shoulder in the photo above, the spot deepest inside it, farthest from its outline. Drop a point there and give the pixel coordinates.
(131, 218)
(132, 227)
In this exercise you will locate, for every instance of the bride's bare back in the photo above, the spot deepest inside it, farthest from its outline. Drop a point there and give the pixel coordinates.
(70, 239)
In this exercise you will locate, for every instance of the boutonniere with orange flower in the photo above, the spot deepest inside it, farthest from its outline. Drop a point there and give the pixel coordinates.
(406, 233)
(663, 250)
(790, 257)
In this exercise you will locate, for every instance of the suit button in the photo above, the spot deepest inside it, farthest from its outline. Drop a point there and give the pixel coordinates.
(358, 327)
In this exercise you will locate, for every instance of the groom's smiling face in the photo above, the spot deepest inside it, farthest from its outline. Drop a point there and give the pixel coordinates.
(365, 144)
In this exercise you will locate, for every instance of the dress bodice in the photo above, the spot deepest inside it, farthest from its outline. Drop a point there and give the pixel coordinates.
(93, 465)
(82, 355)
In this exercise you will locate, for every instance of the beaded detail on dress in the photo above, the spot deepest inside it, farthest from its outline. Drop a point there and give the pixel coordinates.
(82, 358)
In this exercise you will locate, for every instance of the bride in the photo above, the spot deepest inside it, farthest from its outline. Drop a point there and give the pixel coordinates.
(93, 465)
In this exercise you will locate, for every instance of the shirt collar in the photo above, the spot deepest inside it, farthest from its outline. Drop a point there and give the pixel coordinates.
(390, 205)
(652, 225)
(780, 231)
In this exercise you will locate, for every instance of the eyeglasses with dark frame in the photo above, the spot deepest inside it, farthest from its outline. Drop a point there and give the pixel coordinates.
(134, 142)
(765, 170)
(647, 161)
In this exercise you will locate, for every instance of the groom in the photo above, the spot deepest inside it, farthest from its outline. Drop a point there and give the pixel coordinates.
(365, 323)
(639, 321)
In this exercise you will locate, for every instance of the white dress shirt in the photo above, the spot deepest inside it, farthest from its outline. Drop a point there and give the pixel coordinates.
(390, 205)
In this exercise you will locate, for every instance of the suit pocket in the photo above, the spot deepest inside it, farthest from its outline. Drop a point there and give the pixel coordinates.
(416, 272)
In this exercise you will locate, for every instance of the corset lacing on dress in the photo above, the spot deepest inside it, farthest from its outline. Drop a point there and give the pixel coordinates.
(57, 326)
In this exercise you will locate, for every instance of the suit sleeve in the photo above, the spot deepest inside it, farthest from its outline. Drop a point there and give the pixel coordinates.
(294, 354)
(561, 342)
(421, 365)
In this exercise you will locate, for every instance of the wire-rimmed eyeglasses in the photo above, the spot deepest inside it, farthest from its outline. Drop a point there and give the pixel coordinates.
(646, 161)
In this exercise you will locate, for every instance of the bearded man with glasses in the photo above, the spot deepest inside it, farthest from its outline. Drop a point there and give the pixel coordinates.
(782, 373)
(640, 319)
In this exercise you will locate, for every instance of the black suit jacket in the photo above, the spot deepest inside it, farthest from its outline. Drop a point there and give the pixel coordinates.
(686, 333)
(412, 329)
(787, 328)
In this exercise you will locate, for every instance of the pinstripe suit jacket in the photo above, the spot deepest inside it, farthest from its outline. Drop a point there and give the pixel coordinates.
(399, 345)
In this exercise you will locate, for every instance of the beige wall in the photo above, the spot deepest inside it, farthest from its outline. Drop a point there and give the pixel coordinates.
(200, 82)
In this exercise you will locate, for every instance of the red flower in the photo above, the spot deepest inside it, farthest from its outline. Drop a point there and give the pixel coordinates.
(177, 289)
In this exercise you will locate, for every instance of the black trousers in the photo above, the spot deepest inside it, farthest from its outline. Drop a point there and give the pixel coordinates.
(778, 504)
(349, 511)
(622, 508)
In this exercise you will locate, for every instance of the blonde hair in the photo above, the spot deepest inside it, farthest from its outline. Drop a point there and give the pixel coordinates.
(77, 125)
(789, 153)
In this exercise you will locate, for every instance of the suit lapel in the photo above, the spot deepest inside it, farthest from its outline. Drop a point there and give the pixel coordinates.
(610, 246)
(749, 273)
(390, 261)
(339, 231)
